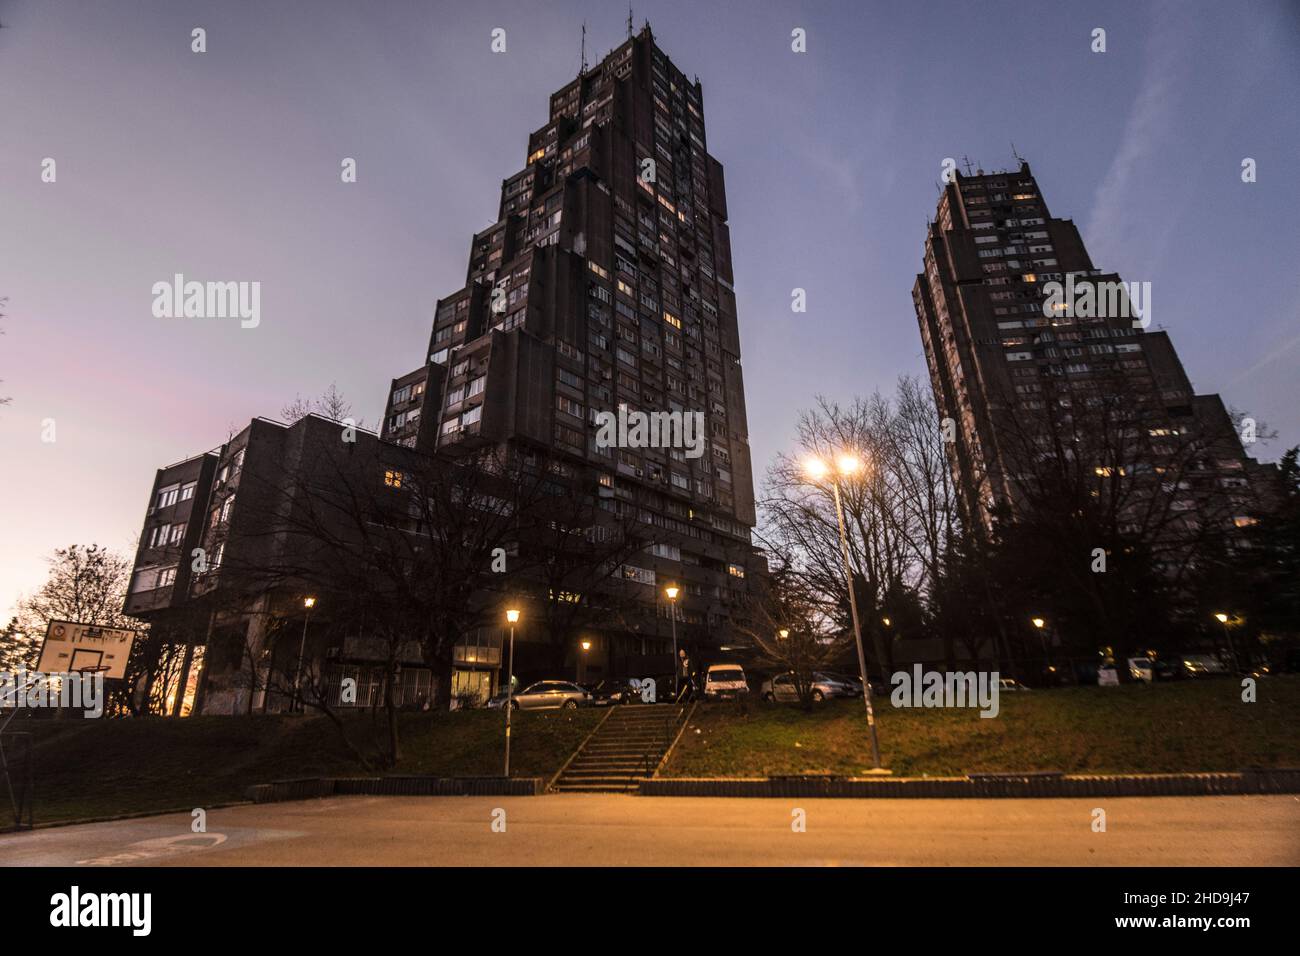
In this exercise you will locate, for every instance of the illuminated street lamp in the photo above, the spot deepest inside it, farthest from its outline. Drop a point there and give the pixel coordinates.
(846, 465)
(308, 602)
(512, 617)
(671, 591)
(1040, 623)
(1227, 635)
(586, 646)
(784, 632)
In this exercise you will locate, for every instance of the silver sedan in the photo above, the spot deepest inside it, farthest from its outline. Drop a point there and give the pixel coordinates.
(544, 694)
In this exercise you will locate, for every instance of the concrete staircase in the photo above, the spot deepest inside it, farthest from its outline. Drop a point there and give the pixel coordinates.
(625, 749)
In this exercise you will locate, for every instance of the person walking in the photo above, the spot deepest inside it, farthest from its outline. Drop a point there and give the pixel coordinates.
(685, 681)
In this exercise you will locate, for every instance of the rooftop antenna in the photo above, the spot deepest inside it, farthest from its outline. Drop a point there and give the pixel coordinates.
(582, 70)
(965, 161)
(629, 21)
(1016, 154)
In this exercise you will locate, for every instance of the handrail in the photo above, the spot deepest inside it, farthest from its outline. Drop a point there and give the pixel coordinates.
(550, 785)
(680, 730)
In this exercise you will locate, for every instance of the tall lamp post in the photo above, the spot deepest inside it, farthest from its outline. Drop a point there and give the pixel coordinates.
(512, 616)
(671, 591)
(308, 602)
(1227, 635)
(582, 659)
(845, 466)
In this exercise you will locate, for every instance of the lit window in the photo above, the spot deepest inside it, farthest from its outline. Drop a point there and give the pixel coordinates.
(393, 479)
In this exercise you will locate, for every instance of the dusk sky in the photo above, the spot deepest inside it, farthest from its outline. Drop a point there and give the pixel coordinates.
(225, 166)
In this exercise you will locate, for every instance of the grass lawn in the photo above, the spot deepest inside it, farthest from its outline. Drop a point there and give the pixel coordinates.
(1184, 726)
(91, 768)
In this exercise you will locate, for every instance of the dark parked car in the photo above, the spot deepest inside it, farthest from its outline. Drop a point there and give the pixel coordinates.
(619, 691)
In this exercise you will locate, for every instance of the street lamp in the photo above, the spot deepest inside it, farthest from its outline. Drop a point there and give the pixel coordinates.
(784, 632)
(512, 617)
(671, 591)
(586, 646)
(846, 465)
(1232, 650)
(1039, 623)
(308, 602)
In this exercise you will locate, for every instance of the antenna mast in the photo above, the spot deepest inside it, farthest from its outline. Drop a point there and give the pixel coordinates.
(582, 70)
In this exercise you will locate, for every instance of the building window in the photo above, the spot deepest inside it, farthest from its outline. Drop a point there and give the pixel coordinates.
(639, 575)
(393, 479)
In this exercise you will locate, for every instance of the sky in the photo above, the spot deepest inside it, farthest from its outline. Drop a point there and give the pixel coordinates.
(225, 165)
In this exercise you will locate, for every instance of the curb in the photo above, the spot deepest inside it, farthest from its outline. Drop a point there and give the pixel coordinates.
(984, 785)
(134, 815)
(308, 788)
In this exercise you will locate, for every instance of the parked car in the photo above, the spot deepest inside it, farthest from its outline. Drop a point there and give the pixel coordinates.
(546, 694)
(1010, 684)
(725, 680)
(616, 691)
(1203, 665)
(1141, 668)
(1165, 669)
(851, 681)
(782, 687)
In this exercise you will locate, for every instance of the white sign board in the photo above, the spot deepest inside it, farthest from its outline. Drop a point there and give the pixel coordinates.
(70, 647)
(1107, 677)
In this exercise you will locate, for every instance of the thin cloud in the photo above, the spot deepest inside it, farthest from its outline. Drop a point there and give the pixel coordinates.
(1146, 129)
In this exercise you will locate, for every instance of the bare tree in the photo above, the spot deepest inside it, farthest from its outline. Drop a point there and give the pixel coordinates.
(575, 552)
(402, 549)
(887, 513)
(791, 633)
(330, 404)
(1114, 500)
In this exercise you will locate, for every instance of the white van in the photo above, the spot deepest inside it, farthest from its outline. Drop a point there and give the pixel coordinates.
(725, 680)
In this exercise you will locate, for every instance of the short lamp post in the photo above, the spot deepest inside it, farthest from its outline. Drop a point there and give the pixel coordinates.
(671, 591)
(512, 617)
(1039, 625)
(1227, 636)
(846, 465)
(582, 660)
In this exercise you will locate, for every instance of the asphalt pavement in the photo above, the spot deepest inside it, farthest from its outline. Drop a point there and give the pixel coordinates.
(622, 830)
